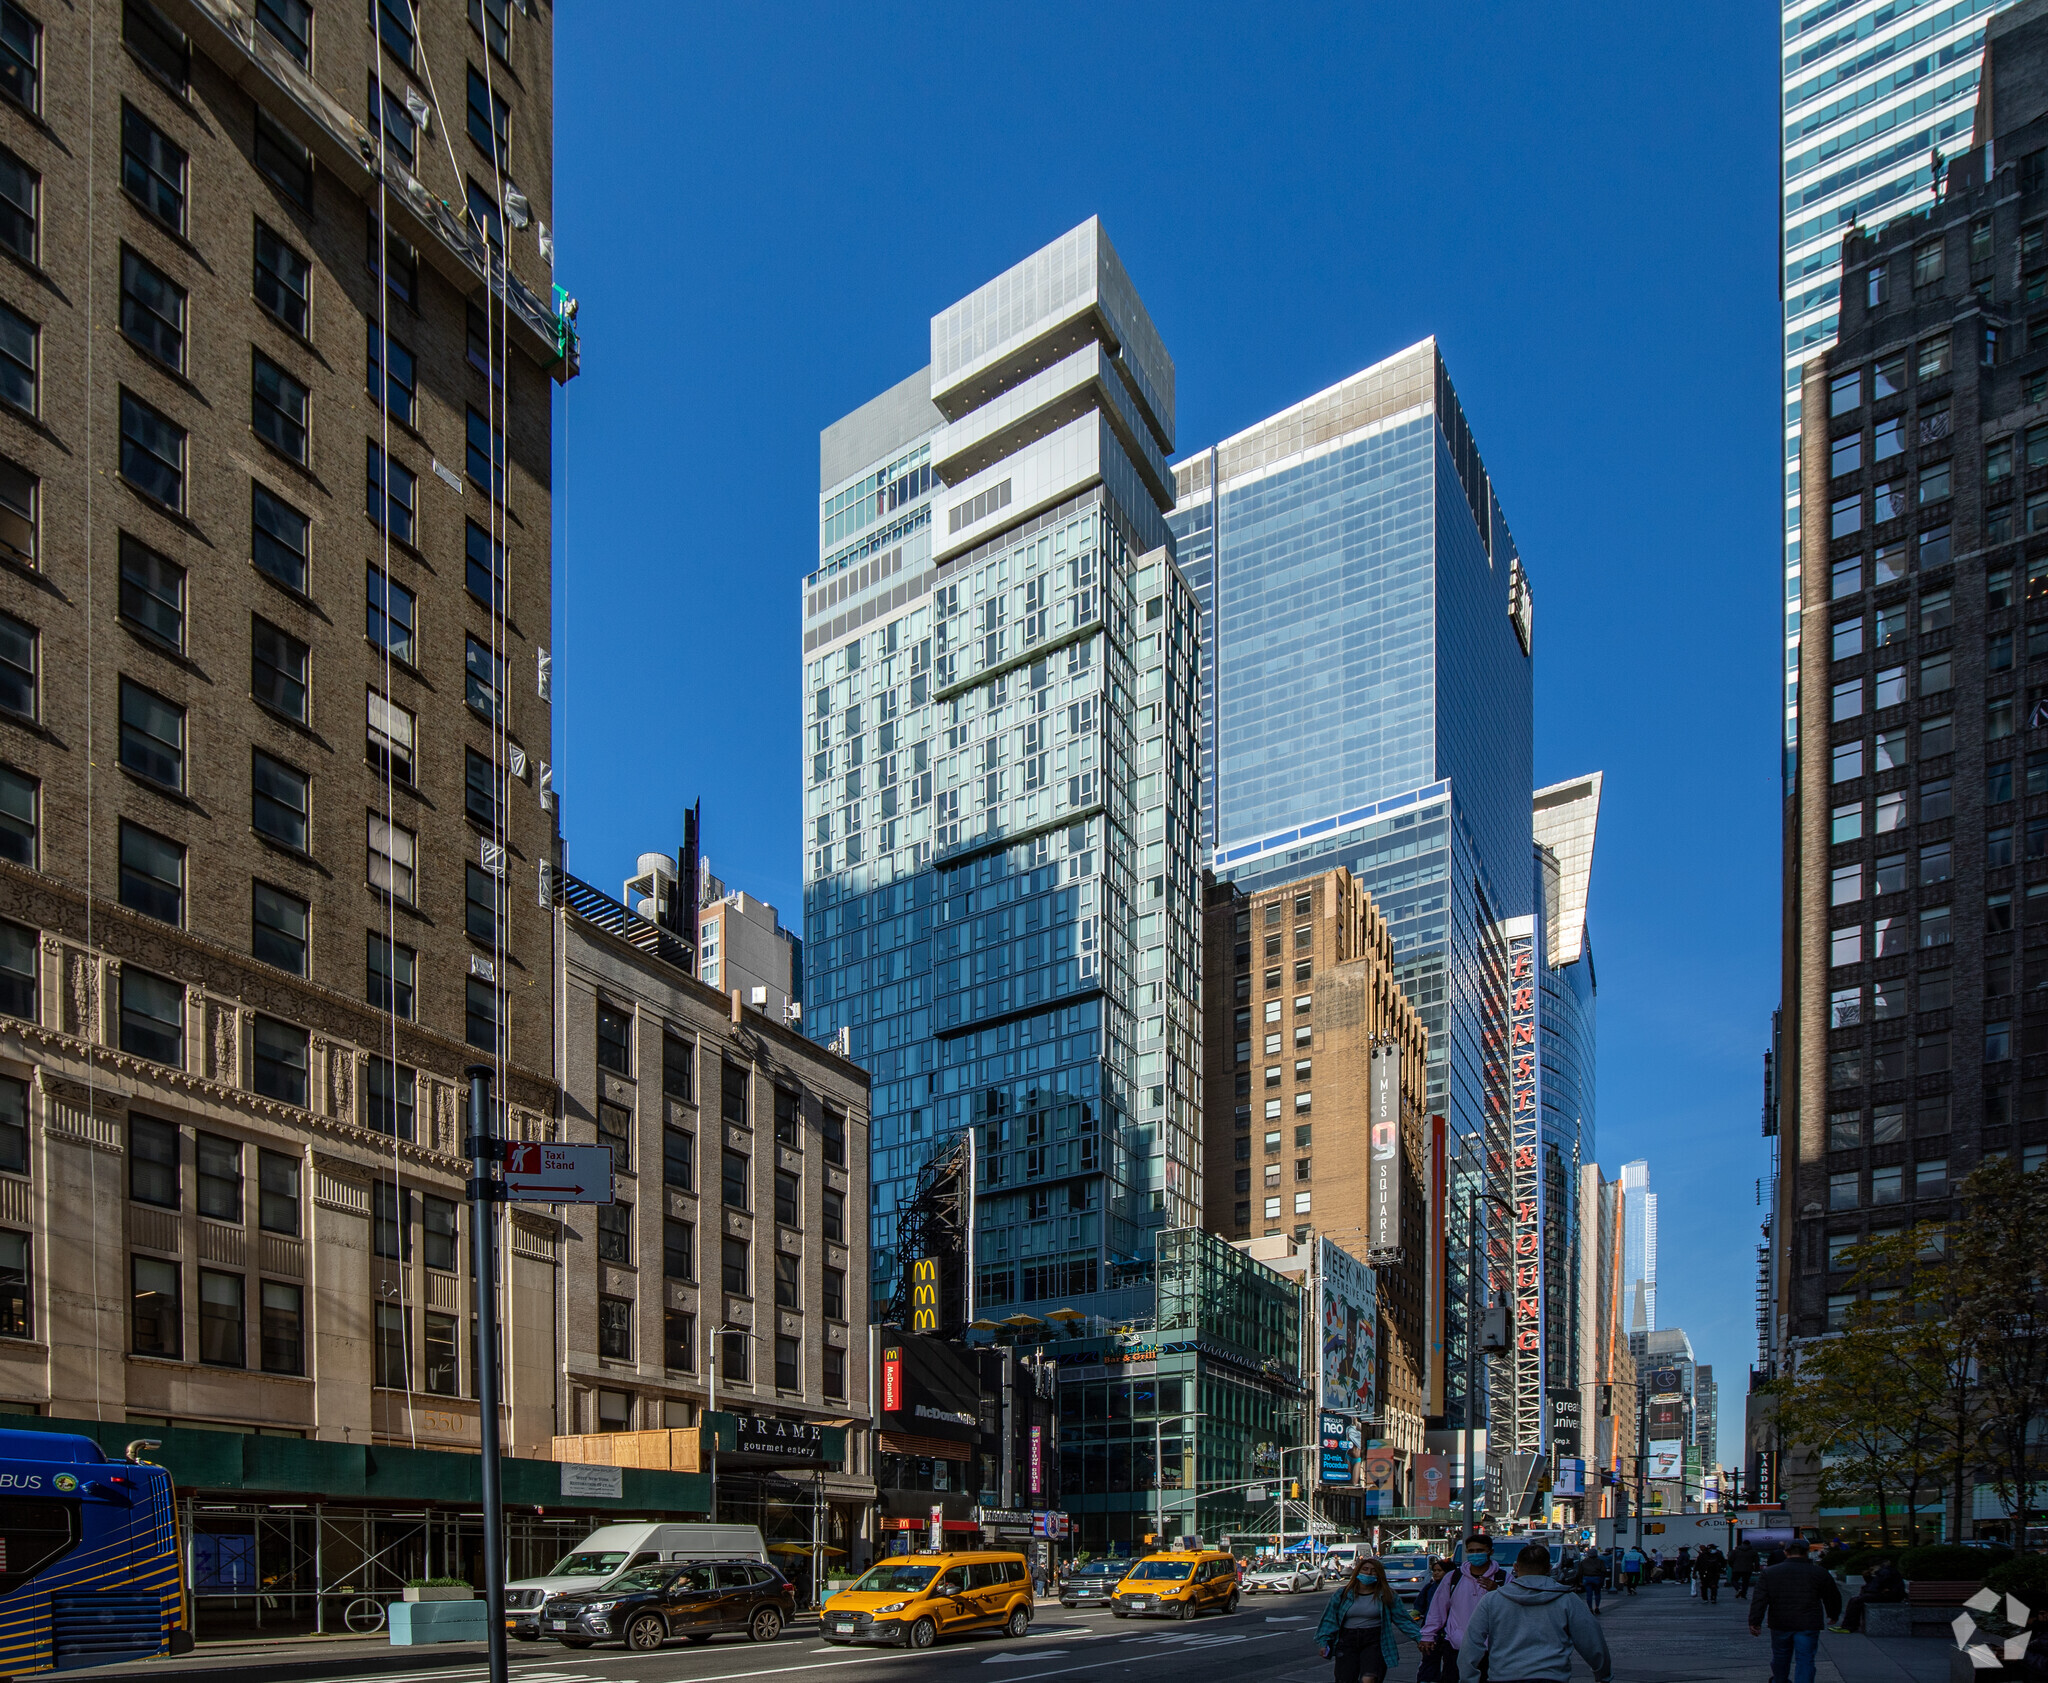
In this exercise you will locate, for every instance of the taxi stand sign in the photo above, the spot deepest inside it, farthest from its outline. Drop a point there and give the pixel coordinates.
(557, 1174)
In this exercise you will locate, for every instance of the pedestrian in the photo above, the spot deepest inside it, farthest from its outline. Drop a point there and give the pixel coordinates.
(1681, 1569)
(1592, 1579)
(1710, 1566)
(1657, 1565)
(1451, 1608)
(1527, 1632)
(1632, 1569)
(1798, 1598)
(1742, 1568)
(1439, 1565)
(1359, 1622)
(1882, 1585)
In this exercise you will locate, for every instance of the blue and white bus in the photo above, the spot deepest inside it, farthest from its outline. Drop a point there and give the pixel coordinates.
(89, 1558)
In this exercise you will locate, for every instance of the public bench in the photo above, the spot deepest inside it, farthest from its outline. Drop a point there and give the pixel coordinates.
(1929, 1609)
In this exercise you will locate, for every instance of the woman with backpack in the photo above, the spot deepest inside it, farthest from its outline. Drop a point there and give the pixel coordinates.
(1358, 1624)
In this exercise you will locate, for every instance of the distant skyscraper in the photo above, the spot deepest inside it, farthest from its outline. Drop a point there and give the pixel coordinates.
(1000, 709)
(1366, 679)
(1639, 1248)
(1706, 1415)
(1870, 92)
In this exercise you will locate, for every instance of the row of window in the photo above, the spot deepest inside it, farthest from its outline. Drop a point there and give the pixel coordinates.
(734, 1357)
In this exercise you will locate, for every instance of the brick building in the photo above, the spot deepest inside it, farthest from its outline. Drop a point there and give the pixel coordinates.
(1916, 851)
(1299, 987)
(274, 458)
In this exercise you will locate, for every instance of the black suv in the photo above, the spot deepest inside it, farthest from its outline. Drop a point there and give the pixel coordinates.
(645, 1607)
(1092, 1583)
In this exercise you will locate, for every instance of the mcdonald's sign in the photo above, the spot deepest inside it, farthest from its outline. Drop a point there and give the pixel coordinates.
(924, 1294)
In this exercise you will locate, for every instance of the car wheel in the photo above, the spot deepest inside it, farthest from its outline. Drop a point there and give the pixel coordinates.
(923, 1634)
(1118, 1613)
(646, 1633)
(765, 1626)
(1187, 1609)
(1020, 1622)
(1230, 1606)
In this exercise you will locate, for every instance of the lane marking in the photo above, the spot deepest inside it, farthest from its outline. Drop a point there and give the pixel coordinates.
(1061, 1671)
(1021, 1659)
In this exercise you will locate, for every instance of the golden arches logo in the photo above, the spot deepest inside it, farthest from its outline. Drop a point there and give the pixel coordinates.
(924, 1294)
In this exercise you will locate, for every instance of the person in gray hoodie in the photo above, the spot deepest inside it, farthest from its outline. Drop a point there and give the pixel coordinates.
(1526, 1631)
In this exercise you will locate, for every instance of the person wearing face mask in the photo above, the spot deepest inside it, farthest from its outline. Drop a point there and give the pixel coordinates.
(1451, 1608)
(1359, 1622)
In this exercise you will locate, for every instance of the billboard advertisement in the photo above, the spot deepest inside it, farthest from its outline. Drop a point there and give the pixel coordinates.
(1339, 1449)
(1571, 1477)
(1383, 1185)
(1667, 1457)
(1670, 1414)
(1350, 1317)
(1432, 1482)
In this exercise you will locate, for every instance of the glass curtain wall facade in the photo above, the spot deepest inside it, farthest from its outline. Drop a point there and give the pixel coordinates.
(1001, 895)
(1870, 92)
(1366, 690)
(1638, 1249)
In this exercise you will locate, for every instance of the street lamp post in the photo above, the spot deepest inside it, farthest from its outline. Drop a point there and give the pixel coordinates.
(717, 1341)
(1472, 1197)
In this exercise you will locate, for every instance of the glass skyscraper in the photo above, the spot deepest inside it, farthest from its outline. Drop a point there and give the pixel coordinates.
(1366, 687)
(1870, 92)
(1638, 1248)
(1001, 706)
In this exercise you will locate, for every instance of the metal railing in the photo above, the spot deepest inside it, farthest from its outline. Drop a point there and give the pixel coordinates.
(313, 103)
(599, 909)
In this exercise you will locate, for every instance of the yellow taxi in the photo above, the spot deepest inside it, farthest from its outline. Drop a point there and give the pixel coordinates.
(911, 1600)
(1177, 1585)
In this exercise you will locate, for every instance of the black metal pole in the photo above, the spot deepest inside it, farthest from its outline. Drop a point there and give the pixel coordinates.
(485, 1190)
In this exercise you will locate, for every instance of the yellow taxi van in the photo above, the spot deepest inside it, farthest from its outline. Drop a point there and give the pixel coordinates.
(911, 1600)
(1179, 1584)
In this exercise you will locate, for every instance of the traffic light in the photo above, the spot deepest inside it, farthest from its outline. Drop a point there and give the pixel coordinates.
(1294, 1490)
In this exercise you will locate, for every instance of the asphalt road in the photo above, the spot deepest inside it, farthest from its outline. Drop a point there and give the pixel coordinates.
(1271, 1635)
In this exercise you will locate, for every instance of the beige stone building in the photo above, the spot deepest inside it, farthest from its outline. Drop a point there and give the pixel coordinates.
(739, 1236)
(1299, 987)
(274, 595)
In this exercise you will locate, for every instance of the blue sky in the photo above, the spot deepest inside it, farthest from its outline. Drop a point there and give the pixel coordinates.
(760, 207)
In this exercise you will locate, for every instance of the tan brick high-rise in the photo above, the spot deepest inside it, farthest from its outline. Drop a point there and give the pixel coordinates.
(274, 572)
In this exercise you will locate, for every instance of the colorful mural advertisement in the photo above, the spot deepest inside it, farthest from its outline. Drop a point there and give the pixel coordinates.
(1350, 1308)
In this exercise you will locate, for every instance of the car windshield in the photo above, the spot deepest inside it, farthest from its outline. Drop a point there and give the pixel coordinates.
(1099, 1568)
(1169, 1571)
(888, 1579)
(594, 1564)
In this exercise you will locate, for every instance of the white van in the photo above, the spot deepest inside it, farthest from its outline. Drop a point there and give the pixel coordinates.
(612, 1549)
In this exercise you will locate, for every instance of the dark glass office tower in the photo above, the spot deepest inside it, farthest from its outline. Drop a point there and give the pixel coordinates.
(1366, 689)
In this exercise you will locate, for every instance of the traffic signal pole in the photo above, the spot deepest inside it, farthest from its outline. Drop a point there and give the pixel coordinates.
(485, 1191)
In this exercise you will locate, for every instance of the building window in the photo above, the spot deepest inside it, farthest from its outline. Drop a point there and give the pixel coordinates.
(159, 1322)
(278, 539)
(277, 408)
(390, 975)
(277, 669)
(153, 1163)
(152, 310)
(732, 1257)
(614, 1039)
(1846, 515)
(492, 19)
(220, 1177)
(1887, 1184)
(397, 500)
(17, 667)
(835, 1373)
(290, 24)
(391, 1364)
(615, 1232)
(733, 1095)
(14, 1285)
(283, 282)
(1845, 454)
(484, 678)
(388, 738)
(278, 923)
(281, 1061)
(152, 593)
(788, 1278)
(395, 30)
(678, 1249)
(158, 42)
(678, 1159)
(1934, 357)
(391, 1220)
(788, 1363)
(615, 1129)
(679, 1341)
(788, 1119)
(734, 1179)
(152, 1017)
(1848, 638)
(615, 1328)
(401, 265)
(440, 1362)
(282, 1332)
(18, 497)
(678, 1067)
(152, 736)
(220, 1319)
(481, 1015)
(17, 996)
(835, 1217)
(277, 1192)
(832, 1134)
(486, 455)
(490, 120)
(391, 616)
(1848, 699)
(392, 851)
(733, 1356)
(788, 1199)
(388, 1098)
(483, 213)
(483, 904)
(280, 157)
(278, 801)
(486, 566)
(1929, 263)
(152, 874)
(1930, 1178)
(153, 169)
(152, 453)
(396, 374)
(390, 121)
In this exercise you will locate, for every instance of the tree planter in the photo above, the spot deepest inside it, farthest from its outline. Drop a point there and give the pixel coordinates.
(440, 1592)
